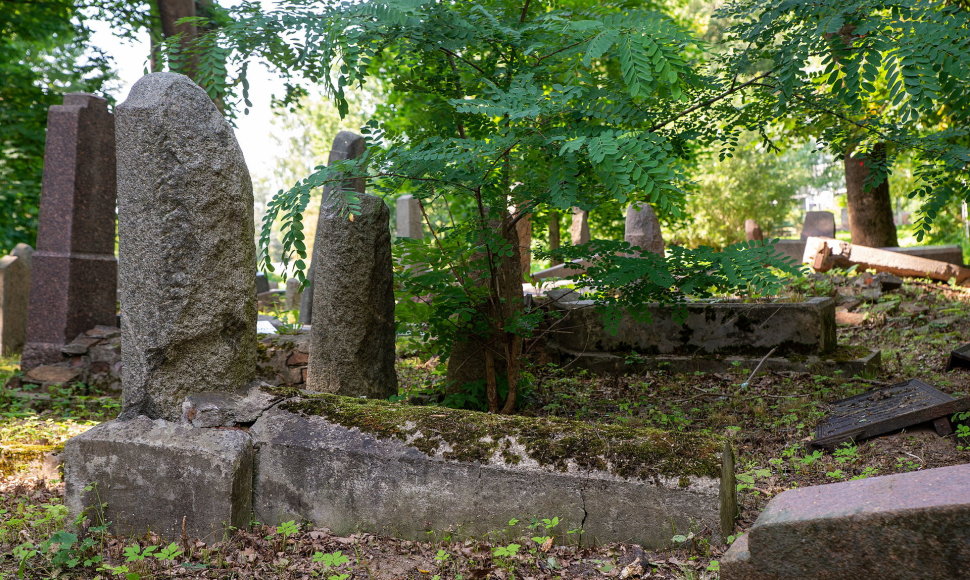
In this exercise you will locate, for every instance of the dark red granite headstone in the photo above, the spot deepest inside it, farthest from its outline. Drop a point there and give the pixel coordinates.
(75, 274)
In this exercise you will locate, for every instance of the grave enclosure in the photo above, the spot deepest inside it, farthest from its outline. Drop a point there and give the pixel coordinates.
(203, 455)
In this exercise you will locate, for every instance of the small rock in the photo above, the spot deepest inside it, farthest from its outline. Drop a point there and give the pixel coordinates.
(849, 318)
(298, 358)
(52, 374)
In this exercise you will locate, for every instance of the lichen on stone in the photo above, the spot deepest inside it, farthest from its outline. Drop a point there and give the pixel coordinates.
(553, 443)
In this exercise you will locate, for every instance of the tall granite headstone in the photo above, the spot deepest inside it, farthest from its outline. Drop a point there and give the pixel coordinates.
(579, 228)
(818, 224)
(409, 217)
(642, 228)
(74, 270)
(14, 287)
(352, 336)
(185, 203)
(346, 145)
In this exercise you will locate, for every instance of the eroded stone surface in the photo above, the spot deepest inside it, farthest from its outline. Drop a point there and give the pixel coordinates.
(186, 248)
(642, 228)
(352, 336)
(154, 474)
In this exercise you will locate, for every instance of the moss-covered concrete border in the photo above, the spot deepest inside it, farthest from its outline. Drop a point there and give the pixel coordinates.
(552, 443)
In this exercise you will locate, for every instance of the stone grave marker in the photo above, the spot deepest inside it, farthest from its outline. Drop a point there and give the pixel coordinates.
(74, 270)
(14, 288)
(642, 229)
(346, 145)
(187, 256)
(752, 231)
(352, 335)
(294, 294)
(820, 224)
(408, 217)
(579, 228)
(262, 283)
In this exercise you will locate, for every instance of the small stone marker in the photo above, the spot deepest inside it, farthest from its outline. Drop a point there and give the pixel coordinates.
(409, 217)
(752, 231)
(642, 228)
(262, 283)
(884, 410)
(74, 271)
(294, 294)
(902, 526)
(352, 335)
(346, 145)
(820, 224)
(14, 288)
(579, 228)
(187, 254)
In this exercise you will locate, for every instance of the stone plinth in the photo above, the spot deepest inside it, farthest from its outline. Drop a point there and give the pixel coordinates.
(186, 246)
(153, 475)
(74, 271)
(347, 479)
(909, 525)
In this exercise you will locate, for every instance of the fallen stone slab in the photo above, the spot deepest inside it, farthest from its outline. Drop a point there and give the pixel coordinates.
(903, 526)
(846, 361)
(567, 270)
(350, 465)
(701, 328)
(795, 249)
(825, 253)
(160, 476)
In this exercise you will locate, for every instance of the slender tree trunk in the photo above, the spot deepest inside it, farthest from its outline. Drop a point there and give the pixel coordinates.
(870, 211)
(170, 12)
(555, 234)
(524, 232)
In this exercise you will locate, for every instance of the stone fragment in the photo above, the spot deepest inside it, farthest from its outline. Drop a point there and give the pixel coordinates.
(907, 525)
(642, 229)
(73, 271)
(352, 336)
(158, 476)
(55, 374)
(220, 409)
(752, 231)
(186, 249)
(409, 218)
(819, 224)
(104, 332)
(579, 227)
(346, 145)
(14, 290)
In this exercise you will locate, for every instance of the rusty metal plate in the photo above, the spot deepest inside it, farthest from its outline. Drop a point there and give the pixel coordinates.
(884, 410)
(959, 358)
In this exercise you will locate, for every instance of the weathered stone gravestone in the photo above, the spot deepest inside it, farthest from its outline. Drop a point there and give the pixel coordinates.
(14, 289)
(352, 336)
(642, 228)
(819, 224)
(186, 249)
(752, 231)
(579, 227)
(74, 271)
(409, 217)
(262, 283)
(346, 145)
(294, 294)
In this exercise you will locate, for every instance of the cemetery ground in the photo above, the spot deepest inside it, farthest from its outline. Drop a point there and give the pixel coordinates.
(770, 417)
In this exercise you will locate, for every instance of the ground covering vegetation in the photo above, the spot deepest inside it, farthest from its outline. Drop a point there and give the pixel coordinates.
(769, 418)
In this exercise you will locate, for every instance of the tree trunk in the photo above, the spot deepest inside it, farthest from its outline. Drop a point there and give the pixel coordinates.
(170, 12)
(870, 212)
(555, 234)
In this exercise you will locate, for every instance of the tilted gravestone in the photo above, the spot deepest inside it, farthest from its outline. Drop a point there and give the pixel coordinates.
(74, 281)
(346, 145)
(642, 229)
(409, 217)
(14, 288)
(579, 227)
(187, 256)
(818, 224)
(352, 336)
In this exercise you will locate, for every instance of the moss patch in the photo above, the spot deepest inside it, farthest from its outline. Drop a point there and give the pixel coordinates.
(551, 442)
